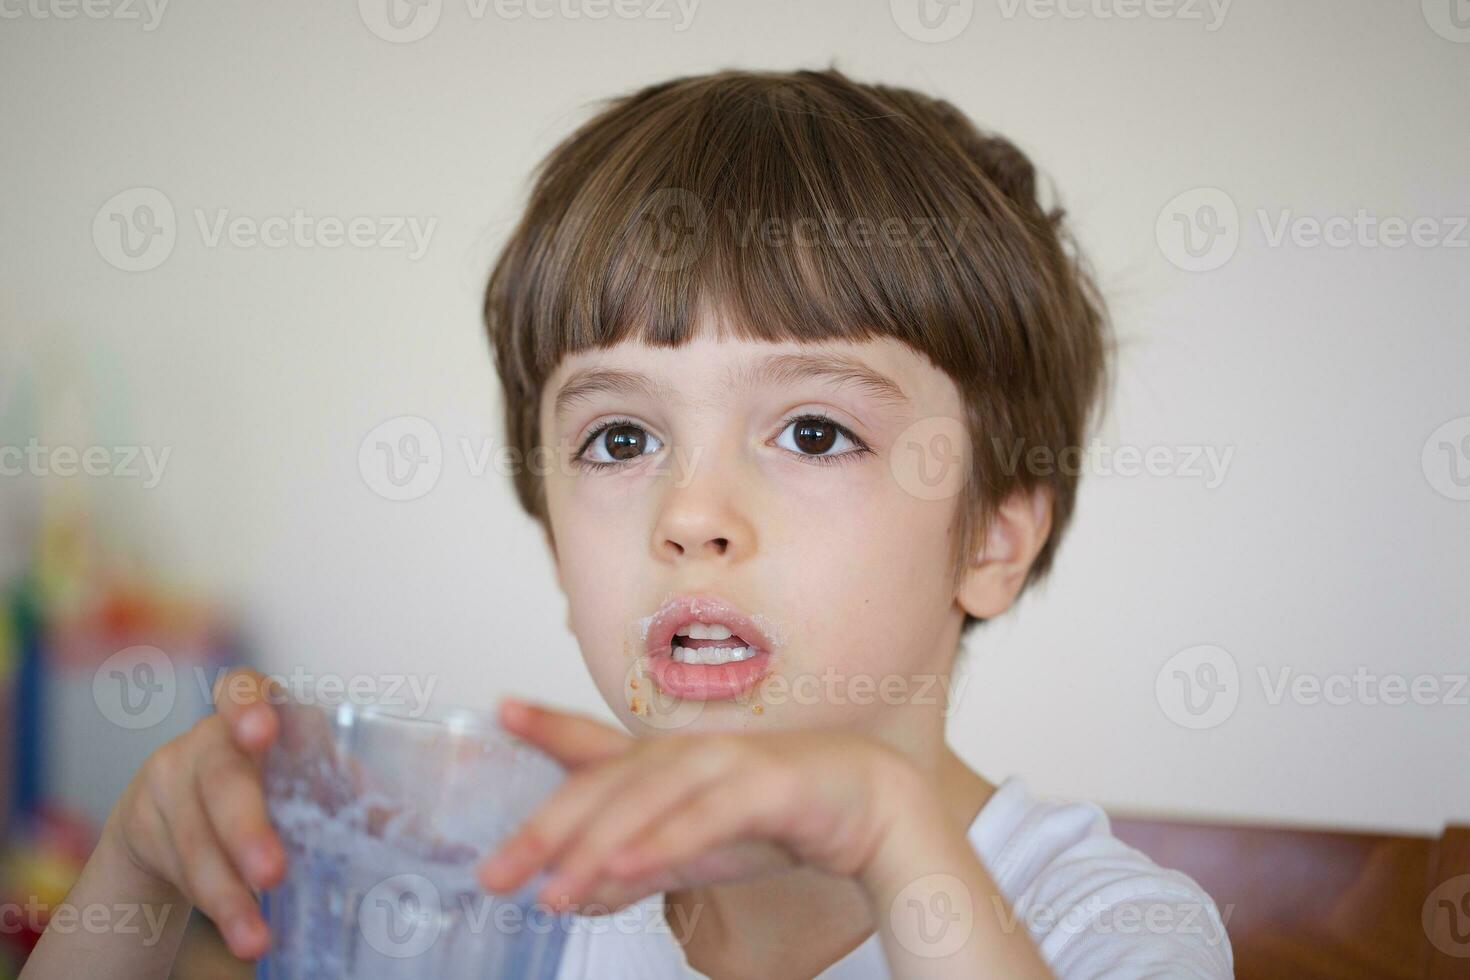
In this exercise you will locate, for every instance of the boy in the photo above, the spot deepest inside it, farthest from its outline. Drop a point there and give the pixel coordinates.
(773, 339)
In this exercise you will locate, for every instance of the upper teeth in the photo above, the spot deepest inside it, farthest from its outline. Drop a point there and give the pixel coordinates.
(712, 655)
(704, 631)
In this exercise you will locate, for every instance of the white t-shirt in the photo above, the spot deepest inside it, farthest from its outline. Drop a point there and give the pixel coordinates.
(1094, 906)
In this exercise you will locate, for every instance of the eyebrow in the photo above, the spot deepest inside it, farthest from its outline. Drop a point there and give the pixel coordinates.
(587, 382)
(778, 369)
(838, 369)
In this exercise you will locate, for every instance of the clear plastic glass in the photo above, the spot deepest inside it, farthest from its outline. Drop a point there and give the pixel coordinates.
(384, 815)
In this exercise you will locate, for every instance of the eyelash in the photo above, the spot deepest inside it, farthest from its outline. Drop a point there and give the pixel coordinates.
(597, 464)
(860, 447)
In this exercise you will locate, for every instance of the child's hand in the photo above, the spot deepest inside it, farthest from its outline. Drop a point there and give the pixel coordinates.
(194, 816)
(637, 816)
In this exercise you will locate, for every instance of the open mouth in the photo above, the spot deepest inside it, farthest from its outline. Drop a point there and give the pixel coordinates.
(710, 644)
(704, 649)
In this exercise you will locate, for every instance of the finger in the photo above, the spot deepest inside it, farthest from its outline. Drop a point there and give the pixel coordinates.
(542, 837)
(610, 894)
(211, 882)
(623, 818)
(724, 812)
(574, 740)
(234, 801)
(242, 697)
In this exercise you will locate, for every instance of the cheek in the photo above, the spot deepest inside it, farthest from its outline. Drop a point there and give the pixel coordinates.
(876, 563)
(600, 543)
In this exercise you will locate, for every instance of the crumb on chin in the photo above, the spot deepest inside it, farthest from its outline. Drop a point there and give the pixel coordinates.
(633, 683)
(758, 709)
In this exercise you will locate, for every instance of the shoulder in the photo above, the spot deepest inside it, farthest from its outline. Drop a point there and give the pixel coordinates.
(1093, 905)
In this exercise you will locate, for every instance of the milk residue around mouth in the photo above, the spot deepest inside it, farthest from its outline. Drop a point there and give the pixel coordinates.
(639, 689)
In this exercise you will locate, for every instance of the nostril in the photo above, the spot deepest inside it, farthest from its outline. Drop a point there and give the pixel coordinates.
(720, 544)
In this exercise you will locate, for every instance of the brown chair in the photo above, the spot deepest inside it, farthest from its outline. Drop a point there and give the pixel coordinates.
(1298, 904)
(1311, 903)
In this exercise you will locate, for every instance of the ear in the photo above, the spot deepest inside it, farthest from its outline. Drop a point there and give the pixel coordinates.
(1010, 544)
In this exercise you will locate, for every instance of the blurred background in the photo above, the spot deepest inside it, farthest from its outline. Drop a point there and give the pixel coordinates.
(248, 413)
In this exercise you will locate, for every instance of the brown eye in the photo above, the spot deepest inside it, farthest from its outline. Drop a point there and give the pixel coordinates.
(624, 441)
(619, 443)
(815, 435)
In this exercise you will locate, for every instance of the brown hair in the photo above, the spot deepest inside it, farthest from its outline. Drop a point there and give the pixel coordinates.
(643, 218)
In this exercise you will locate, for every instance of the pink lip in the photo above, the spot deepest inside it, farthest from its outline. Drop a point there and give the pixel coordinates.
(704, 682)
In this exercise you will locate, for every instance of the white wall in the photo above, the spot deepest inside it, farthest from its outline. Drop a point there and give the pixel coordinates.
(1326, 548)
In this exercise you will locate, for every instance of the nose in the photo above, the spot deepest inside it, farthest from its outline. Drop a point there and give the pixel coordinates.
(703, 522)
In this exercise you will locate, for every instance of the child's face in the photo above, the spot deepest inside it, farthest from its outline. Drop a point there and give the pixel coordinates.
(839, 560)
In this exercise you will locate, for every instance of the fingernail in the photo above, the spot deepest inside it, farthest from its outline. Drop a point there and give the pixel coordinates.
(513, 709)
(497, 868)
(253, 724)
(262, 860)
(245, 934)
